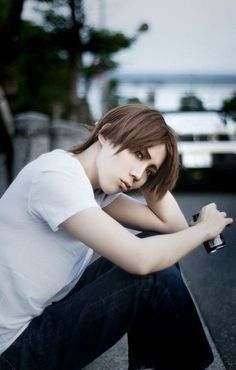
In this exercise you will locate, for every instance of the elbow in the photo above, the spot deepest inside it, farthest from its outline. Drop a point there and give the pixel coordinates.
(139, 268)
(144, 265)
(147, 264)
(146, 269)
(143, 260)
(179, 227)
(138, 265)
(183, 224)
(142, 270)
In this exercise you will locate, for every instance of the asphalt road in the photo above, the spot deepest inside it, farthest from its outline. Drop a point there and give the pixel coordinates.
(212, 277)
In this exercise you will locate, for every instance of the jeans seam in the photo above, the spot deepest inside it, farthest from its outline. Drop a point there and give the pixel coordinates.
(8, 362)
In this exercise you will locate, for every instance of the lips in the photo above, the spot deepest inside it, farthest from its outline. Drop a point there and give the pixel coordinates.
(125, 185)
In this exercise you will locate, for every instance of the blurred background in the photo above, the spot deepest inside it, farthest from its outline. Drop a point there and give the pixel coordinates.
(65, 62)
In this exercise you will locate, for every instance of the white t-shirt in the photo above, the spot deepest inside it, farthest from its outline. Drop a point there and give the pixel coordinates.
(39, 261)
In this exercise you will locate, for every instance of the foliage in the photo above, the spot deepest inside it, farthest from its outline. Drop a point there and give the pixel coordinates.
(10, 24)
(9, 47)
(111, 97)
(5, 9)
(43, 79)
(229, 106)
(190, 102)
(101, 45)
(88, 51)
(50, 59)
(133, 100)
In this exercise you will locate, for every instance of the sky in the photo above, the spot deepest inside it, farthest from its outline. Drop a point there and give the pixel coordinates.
(185, 36)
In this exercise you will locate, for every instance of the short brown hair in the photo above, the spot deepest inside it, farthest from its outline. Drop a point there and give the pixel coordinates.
(135, 127)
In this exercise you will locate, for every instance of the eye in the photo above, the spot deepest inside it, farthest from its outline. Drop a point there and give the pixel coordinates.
(139, 154)
(150, 171)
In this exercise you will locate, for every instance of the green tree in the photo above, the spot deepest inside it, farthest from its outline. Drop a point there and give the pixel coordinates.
(190, 102)
(10, 29)
(44, 73)
(75, 40)
(229, 106)
(47, 61)
(110, 94)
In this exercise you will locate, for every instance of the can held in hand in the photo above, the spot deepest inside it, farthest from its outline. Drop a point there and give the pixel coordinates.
(215, 244)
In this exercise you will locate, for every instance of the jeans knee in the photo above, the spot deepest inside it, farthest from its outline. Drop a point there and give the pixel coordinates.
(166, 285)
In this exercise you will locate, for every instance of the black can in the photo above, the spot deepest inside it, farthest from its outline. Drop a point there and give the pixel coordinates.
(215, 244)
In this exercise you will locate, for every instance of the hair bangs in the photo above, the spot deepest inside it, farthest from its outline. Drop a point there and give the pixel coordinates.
(136, 127)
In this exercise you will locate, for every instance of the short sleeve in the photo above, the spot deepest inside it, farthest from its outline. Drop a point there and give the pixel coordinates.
(57, 195)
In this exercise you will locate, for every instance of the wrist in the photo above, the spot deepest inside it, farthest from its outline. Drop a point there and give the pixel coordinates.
(203, 231)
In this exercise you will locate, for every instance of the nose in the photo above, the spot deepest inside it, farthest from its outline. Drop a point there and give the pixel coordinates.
(137, 172)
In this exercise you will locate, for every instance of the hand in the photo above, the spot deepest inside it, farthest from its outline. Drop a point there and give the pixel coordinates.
(213, 220)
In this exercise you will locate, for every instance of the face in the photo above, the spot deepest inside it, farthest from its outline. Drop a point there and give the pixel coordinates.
(126, 171)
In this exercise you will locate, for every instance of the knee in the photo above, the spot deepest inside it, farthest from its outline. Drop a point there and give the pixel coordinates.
(168, 281)
(171, 278)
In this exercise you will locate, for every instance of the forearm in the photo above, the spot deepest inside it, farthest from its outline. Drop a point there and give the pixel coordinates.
(142, 256)
(162, 251)
(168, 213)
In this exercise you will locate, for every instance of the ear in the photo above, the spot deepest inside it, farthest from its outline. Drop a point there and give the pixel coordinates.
(101, 137)
(102, 140)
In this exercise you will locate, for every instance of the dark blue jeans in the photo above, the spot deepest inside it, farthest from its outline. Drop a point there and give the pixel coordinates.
(157, 312)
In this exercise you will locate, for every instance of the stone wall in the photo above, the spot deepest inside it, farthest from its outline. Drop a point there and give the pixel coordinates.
(35, 134)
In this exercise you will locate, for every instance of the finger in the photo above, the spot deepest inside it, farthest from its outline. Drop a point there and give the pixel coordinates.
(211, 206)
(229, 221)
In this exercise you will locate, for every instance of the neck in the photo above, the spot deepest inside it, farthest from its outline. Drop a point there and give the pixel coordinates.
(88, 161)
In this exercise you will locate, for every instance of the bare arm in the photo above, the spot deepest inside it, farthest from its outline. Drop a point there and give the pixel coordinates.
(142, 256)
(163, 216)
(168, 211)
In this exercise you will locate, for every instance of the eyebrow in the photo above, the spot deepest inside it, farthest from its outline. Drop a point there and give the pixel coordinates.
(149, 157)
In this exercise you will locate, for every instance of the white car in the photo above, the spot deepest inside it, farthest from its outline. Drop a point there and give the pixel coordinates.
(207, 147)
